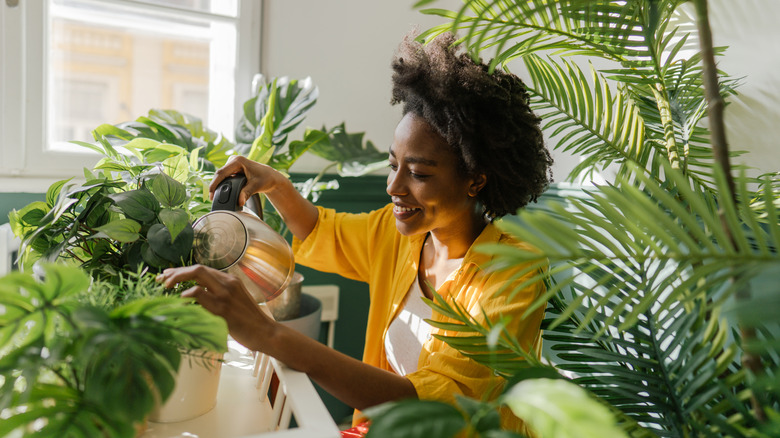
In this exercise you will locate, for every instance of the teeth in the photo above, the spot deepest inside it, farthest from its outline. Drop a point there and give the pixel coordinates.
(402, 209)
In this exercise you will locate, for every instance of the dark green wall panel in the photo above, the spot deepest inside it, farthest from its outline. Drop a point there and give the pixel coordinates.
(11, 201)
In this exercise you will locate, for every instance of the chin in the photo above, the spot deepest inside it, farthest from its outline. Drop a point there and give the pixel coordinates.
(408, 231)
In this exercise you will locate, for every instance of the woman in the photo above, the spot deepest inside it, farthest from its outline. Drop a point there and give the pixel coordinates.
(467, 150)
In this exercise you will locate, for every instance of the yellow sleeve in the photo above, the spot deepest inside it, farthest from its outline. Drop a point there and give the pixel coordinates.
(341, 243)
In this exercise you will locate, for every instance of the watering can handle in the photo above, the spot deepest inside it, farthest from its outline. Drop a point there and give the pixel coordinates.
(226, 195)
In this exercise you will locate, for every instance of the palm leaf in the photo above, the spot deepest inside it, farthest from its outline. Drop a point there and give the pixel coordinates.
(588, 120)
(610, 29)
(647, 241)
(487, 343)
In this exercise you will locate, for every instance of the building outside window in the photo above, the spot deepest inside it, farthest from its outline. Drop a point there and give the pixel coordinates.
(89, 62)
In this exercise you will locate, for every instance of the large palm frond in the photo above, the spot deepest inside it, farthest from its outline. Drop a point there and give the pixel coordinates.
(603, 126)
(675, 371)
(658, 73)
(646, 241)
(623, 31)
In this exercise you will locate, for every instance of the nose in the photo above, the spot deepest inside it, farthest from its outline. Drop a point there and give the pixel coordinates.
(395, 184)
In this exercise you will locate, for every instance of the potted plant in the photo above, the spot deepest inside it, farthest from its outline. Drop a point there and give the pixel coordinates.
(661, 283)
(85, 357)
(130, 218)
(137, 204)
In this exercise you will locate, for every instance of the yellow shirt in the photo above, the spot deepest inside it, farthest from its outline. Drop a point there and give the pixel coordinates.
(368, 247)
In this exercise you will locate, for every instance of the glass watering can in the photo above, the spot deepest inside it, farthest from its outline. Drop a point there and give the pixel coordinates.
(237, 241)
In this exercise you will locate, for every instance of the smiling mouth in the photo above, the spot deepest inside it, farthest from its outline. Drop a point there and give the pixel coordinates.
(404, 212)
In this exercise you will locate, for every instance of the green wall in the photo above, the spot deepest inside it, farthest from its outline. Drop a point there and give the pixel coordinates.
(11, 201)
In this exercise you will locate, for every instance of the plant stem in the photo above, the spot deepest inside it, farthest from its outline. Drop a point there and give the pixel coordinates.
(715, 105)
(74, 256)
(664, 109)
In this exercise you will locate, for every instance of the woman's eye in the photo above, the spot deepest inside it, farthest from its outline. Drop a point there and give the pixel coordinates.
(392, 166)
(418, 175)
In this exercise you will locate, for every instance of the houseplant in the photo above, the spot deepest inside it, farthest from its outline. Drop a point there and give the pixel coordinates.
(131, 217)
(654, 280)
(87, 358)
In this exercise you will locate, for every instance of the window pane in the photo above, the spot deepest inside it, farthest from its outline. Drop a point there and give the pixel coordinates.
(222, 7)
(109, 64)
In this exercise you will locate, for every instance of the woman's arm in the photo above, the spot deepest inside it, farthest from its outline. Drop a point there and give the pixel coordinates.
(298, 213)
(353, 382)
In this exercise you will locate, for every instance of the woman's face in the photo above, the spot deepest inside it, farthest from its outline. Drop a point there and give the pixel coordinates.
(424, 183)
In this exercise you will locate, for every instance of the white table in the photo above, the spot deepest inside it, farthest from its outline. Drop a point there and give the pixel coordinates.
(243, 408)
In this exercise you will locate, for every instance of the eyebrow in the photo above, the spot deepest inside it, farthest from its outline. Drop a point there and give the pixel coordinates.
(418, 160)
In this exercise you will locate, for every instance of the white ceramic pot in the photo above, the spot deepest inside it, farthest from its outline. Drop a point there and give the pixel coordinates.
(195, 392)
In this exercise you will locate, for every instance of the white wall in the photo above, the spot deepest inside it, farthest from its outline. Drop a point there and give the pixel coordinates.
(346, 46)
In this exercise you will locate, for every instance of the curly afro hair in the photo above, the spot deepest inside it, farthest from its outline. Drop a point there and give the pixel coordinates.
(483, 115)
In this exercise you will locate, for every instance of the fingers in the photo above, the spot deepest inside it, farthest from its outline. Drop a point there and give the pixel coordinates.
(206, 299)
(259, 177)
(234, 165)
(206, 277)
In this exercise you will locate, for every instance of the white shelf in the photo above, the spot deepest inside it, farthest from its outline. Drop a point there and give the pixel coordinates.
(243, 408)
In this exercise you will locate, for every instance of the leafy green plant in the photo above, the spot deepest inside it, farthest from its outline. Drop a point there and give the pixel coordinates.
(138, 203)
(88, 360)
(652, 303)
(277, 108)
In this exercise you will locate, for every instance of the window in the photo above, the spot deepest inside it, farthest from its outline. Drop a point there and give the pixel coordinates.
(70, 65)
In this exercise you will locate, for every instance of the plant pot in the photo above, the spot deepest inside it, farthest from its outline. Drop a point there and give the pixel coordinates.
(310, 317)
(195, 392)
(287, 305)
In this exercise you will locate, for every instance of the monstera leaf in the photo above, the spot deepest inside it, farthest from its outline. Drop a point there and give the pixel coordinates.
(347, 151)
(82, 358)
(288, 101)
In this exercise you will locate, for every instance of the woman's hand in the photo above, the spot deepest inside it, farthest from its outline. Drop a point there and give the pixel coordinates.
(224, 295)
(348, 379)
(260, 178)
(298, 213)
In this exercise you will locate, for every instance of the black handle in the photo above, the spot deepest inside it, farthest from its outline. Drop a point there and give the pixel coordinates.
(226, 195)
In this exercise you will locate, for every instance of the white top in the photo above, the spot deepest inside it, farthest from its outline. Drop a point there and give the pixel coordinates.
(408, 332)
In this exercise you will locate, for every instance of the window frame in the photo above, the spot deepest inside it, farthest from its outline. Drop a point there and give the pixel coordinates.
(26, 162)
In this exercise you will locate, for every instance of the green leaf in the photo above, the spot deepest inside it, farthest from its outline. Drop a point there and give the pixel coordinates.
(54, 191)
(169, 191)
(177, 167)
(353, 157)
(112, 165)
(121, 230)
(176, 251)
(296, 149)
(175, 220)
(163, 151)
(483, 416)
(139, 204)
(191, 326)
(554, 407)
(288, 99)
(28, 218)
(262, 146)
(415, 419)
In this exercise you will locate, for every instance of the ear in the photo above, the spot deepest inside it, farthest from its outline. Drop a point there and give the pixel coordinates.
(477, 183)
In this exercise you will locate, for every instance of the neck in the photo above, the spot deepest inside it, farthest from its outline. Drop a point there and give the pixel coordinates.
(454, 245)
